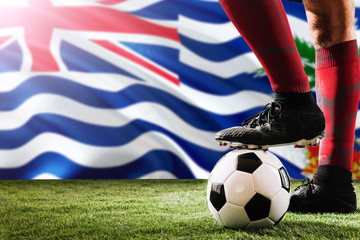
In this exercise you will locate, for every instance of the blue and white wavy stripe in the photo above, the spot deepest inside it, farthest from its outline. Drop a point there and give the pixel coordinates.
(103, 117)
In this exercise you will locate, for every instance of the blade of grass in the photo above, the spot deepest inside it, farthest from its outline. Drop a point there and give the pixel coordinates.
(140, 209)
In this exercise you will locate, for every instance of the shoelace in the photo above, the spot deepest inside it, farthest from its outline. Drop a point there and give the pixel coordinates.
(308, 184)
(269, 111)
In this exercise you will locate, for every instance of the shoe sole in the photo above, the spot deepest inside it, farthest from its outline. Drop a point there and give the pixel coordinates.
(297, 144)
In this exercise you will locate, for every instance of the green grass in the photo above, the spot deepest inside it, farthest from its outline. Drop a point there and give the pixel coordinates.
(141, 209)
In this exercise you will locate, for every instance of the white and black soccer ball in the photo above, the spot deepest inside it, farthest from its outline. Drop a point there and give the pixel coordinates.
(248, 189)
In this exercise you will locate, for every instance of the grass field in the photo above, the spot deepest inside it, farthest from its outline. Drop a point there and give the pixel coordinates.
(141, 209)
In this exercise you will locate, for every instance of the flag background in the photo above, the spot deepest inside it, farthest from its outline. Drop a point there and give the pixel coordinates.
(131, 89)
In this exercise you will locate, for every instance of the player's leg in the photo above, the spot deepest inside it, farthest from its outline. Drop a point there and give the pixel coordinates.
(264, 26)
(337, 82)
(294, 115)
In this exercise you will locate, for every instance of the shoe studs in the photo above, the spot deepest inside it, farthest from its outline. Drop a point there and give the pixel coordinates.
(299, 144)
(236, 145)
(310, 143)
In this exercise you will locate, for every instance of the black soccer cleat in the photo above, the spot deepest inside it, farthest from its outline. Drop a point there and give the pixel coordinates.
(277, 125)
(313, 198)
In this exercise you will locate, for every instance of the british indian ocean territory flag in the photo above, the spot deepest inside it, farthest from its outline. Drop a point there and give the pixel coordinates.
(130, 89)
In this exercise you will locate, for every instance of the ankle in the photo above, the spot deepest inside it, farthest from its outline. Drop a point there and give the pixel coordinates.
(331, 175)
(296, 100)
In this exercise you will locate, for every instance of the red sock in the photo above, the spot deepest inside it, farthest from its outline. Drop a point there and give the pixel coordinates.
(337, 83)
(264, 26)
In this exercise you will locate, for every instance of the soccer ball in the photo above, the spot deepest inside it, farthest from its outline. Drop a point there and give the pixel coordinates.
(248, 189)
